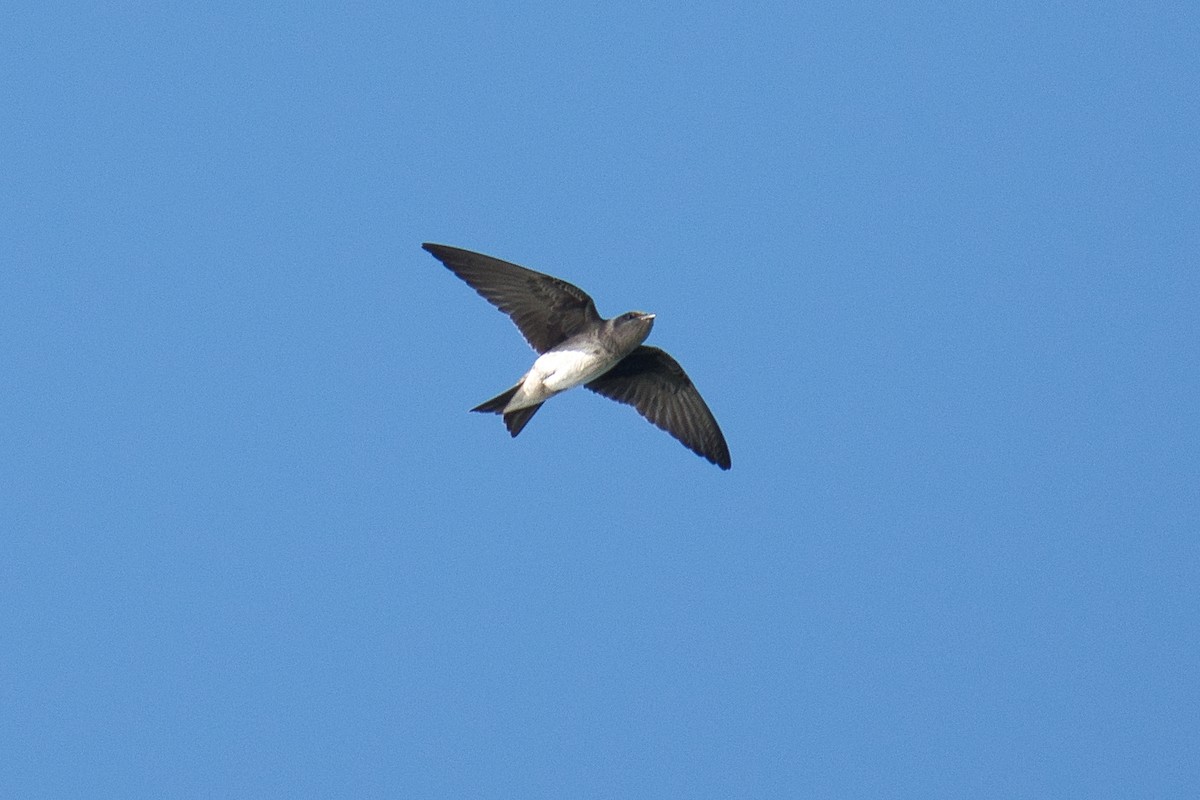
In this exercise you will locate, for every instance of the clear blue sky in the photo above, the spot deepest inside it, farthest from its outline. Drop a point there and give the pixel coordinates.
(934, 269)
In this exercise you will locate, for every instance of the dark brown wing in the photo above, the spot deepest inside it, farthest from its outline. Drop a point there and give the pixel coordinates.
(652, 382)
(546, 310)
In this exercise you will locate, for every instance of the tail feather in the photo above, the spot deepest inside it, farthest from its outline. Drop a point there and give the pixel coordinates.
(519, 419)
(515, 421)
(496, 404)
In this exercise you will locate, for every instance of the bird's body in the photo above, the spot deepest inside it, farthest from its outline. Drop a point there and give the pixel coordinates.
(573, 363)
(578, 347)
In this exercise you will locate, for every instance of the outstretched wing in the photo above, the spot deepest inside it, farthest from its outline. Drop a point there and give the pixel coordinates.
(546, 310)
(652, 382)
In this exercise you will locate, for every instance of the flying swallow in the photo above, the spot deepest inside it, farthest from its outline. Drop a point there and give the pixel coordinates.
(578, 346)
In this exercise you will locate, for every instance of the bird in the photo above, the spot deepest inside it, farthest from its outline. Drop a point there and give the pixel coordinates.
(577, 346)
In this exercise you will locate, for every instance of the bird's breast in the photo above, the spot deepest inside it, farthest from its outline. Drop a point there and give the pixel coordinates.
(562, 369)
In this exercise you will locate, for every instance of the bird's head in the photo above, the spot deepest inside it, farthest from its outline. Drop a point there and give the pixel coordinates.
(632, 328)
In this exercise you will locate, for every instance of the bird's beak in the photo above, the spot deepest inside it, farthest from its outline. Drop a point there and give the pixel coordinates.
(647, 316)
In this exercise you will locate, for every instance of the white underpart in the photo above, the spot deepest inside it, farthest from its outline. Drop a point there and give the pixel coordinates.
(556, 371)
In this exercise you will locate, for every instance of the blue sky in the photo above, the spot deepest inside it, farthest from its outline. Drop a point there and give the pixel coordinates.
(934, 270)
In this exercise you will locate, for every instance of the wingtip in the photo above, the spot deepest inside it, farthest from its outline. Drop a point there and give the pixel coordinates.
(438, 251)
(723, 460)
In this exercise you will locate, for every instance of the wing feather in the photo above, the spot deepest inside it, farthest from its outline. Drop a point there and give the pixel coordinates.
(546, 310)
(657, 387)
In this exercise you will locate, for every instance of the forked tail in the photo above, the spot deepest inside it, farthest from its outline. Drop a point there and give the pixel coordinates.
(514, 420)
